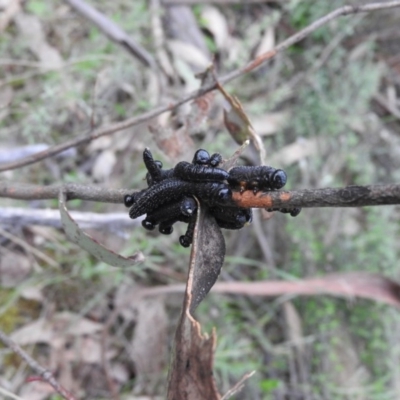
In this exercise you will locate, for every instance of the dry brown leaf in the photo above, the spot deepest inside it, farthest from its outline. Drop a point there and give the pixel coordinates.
(238, 123)
(182, 26)
(191, 376)
(38, 331)
(216, 23)
(32, 31)
(104, 164)
(53, 329)
(267, 42)
(294, 325)
(36, 390)
(149, 344)
(189, 54)
(76, 235)
(87, 349)
(297, 151)
(9, 8)
(14, 268)
(352, 374)
(6, 96)
(175, 144)
(270, 123)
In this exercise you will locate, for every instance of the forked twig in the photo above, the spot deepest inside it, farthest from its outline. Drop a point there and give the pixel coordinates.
(43, 372)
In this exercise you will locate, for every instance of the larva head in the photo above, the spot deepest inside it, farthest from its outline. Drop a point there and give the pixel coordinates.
(278, 179)
(224, 194)
(185, 241)
(129, 200)
(148, 225)
(188, 206)
(201, 157)
(215, 160)
(166, 229)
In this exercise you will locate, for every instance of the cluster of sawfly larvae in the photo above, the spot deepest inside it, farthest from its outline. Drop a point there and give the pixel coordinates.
(169, 197)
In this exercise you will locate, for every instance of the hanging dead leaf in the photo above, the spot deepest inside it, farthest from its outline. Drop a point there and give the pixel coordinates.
(238, 123)
(76, 235)
(206, 259)
(191, 376)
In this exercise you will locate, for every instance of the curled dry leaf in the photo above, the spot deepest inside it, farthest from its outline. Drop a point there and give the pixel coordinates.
(76, 235)
(32, 31)
(238, 123)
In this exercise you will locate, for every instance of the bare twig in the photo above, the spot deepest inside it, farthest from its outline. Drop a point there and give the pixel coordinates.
(113, 31)
(28, 248)
(44, 373)
(260, 60)
(24, 191)
(380, 99)
(16, 216)
(223, 2)
(350, 196)
(238, 386)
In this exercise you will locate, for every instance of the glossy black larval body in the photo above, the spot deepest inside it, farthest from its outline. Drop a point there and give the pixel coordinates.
(235, 215)
(172, 190)
(257, 178)
(199, 173)
(170, 213)
(155, 172)
(169, 197)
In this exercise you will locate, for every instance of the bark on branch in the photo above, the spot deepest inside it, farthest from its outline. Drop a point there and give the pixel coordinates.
(350, 196)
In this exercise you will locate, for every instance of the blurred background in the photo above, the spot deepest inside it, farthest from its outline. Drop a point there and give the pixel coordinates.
(328, 112)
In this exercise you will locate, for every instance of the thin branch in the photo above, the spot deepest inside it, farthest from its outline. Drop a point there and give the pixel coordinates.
(221, 2)
(260, 60)
(44, 373)
(23, 191)
(16, 216)
(349, 196)
(113, 31)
